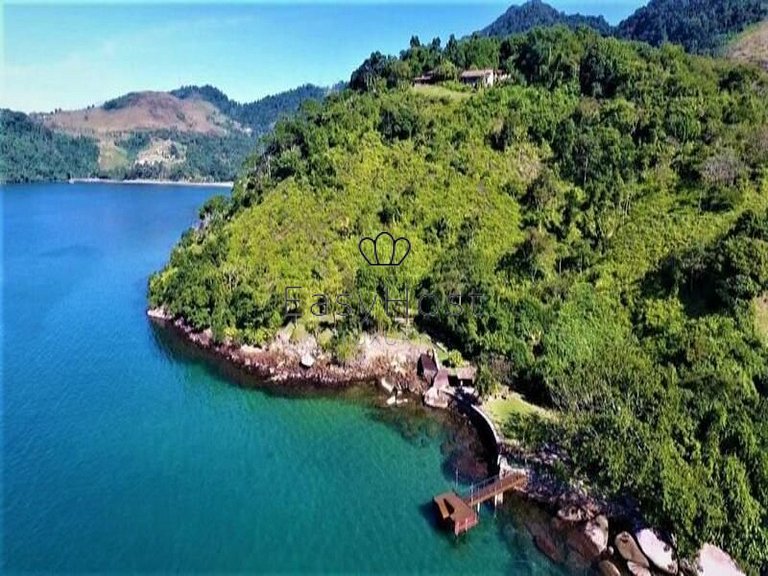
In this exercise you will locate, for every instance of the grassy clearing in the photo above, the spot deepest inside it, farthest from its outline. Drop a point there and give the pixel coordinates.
(751, 46)
(434, 91)
(407, 334)
(761, 317)
(111, 156)
(500, 409)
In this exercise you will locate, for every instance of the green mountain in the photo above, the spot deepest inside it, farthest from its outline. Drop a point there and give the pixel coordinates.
(29, 151)
(700, 26)
(535, 13)
(193, 133)
(259, 116)
(606, 214)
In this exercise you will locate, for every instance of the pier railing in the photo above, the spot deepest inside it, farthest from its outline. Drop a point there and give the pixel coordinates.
(490, 487)
(457, 508)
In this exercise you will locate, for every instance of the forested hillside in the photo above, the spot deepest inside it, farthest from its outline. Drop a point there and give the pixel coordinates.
(700, 26)
(191, 134)
(607, 208)
(261, 115)
(30, 152)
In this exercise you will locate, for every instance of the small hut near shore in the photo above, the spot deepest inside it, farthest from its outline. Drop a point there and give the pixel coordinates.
(434, 398)
(464, 376)
(442, 379)
(427, 367)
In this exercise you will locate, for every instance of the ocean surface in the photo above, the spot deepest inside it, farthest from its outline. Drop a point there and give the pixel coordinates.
(123, 454)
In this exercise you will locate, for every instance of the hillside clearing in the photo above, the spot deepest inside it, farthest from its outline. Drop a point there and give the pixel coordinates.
(141, 111)
(761, 317)
(111, 156)
(439, 92)
(501, 407)
(751, 46)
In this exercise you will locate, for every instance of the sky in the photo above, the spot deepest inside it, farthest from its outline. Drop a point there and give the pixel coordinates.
(69, 56)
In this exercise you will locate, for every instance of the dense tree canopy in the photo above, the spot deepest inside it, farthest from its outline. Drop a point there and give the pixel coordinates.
(607, 211)
(194, 156)
(260, 115)
(29, 152)
(700, 26)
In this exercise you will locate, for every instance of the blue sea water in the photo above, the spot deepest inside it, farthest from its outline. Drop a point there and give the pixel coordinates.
(123, 455)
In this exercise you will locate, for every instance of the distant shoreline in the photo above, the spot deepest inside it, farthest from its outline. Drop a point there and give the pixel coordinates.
(147, 181)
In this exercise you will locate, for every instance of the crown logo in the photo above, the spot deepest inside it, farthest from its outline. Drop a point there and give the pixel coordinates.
(384, 250)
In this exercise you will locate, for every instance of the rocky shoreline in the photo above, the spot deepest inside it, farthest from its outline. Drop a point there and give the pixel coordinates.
(227, 185)
(575, 537)
(576, 528)
(287, 363)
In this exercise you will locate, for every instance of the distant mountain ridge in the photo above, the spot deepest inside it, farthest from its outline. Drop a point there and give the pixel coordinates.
(260, 115)
(199, 133)
(535, 13)
(194, 133)
(700, 26)
(141, 111)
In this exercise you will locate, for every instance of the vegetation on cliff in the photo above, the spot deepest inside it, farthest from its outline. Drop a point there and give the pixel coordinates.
(607, 211)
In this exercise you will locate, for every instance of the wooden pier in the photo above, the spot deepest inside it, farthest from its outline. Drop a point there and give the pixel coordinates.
(460, 513)
(455, 513)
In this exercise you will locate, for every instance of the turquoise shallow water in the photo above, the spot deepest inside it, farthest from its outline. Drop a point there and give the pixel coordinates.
(121, 456)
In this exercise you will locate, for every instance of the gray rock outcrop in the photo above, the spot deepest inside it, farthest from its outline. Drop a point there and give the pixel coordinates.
(660, 553)
(590, 539)
(712, 561)
(637, 570)
(608, 568)
(629, 550)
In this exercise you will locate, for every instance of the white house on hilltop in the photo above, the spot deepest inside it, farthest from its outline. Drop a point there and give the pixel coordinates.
(479, 78)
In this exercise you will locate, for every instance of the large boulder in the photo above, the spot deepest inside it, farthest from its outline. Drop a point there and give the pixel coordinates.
(590, 539)
(547, 546)
(660, 553)
(547, 540)
(629, 550)
(572, 514)
(608, 568)
(637, 570)
(712, 561)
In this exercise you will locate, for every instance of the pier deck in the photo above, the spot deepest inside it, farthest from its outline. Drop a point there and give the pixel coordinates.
(455, 513)
(460, 514)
